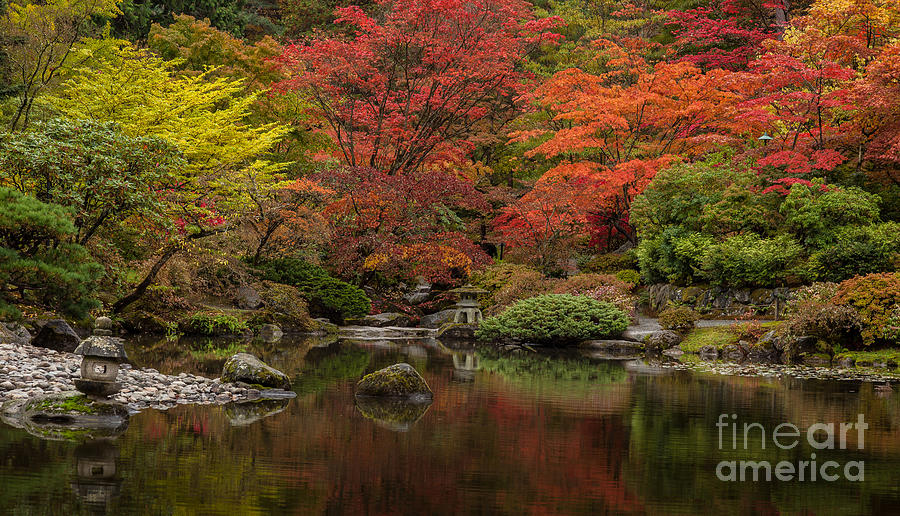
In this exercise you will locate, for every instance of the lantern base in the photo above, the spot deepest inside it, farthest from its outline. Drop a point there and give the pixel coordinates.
(97, 388)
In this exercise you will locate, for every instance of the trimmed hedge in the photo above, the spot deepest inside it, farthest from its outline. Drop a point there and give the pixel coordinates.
(555, 319)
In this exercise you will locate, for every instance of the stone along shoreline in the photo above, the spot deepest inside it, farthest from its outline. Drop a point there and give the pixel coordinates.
(27, 371)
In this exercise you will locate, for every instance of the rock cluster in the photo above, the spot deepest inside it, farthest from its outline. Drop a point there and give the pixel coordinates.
(27, 371)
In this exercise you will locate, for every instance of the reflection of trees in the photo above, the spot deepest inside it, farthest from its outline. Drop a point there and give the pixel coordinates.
(562, 374)
(673, 433)
(567, 436)
(33, 473)
(343, 362)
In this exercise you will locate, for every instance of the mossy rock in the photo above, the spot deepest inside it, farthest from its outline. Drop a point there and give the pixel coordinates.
(394, 414)
(397, 381)
(246, 368)
(69, 416)
(762, 296)
(286, 307)
(691, 295)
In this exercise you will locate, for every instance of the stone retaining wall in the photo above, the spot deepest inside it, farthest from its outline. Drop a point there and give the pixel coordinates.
(720, 302)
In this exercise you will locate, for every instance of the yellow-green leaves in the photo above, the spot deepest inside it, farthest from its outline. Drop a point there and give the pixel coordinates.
(204, 116)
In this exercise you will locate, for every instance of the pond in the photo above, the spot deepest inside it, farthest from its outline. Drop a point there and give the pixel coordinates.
(511, 434)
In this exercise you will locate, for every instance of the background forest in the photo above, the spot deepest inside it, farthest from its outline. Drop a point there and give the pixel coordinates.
(176, 162)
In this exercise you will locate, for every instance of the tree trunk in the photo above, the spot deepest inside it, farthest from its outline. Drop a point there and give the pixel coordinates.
(782, 17)
(121, 304)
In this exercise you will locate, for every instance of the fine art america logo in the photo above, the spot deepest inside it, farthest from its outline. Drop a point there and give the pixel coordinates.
(786, 436)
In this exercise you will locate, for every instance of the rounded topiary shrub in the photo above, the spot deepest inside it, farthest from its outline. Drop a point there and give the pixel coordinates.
(678, 318)
(555, 319)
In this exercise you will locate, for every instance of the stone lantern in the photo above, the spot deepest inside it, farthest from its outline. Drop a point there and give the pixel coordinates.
(467, 309)
(102, 353)
(96, 484)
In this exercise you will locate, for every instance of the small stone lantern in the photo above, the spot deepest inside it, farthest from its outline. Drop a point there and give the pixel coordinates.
(102, 355)
(96, 483)
(467, 309)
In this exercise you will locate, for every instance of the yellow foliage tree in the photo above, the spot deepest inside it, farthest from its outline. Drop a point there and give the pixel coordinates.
(204, 116)
(37, 39)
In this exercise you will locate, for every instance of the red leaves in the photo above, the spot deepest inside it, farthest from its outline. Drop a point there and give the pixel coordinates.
(401, 225)
(725, 35)
(411, 87)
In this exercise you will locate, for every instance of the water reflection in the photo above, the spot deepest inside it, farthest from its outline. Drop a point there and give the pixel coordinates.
(96, 484)
(531, 434)
(249, 412)
(397, 415)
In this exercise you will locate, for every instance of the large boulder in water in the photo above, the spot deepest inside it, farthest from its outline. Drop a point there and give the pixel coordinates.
(58, 336)
(663, 340)
(396, 381)
(246, 368)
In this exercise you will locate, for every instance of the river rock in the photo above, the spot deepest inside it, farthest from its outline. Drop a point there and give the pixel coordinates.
(248, 412)
(244, 367)
(103, 323)
(14, 333)
(663, 339)
(732, 352)
(66, 416)
(58, 336)
(457, 331)
(437, 319)
(270, 332)
(396, 381)
(420, 294)
(247, 298)
(815, 359)
(384, 320)
(709, 351)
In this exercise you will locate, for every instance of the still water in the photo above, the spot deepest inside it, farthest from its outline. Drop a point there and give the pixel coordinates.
(511, 434)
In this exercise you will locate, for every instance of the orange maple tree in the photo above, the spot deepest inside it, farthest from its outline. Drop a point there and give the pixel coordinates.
(612, 132)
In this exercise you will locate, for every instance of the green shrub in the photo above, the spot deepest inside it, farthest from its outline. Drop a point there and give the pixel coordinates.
(749, 259)
(678, 318)
(673, 256)
(327, 296)
(213, 325)
(813, 213)
(555, 318)
(874, 297)
(39, 265)
(608, 263)
(678, 195)
(630, 276)
(857, 250)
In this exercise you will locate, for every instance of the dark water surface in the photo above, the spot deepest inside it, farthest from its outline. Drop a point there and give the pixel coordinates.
(505, 435)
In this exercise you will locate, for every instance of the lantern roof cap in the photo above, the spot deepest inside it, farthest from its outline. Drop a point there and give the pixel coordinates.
(102, 347)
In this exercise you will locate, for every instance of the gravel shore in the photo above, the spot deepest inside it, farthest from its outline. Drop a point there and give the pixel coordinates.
(27, 371)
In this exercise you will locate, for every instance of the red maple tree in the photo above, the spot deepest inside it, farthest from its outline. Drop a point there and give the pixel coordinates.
(406, 87)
